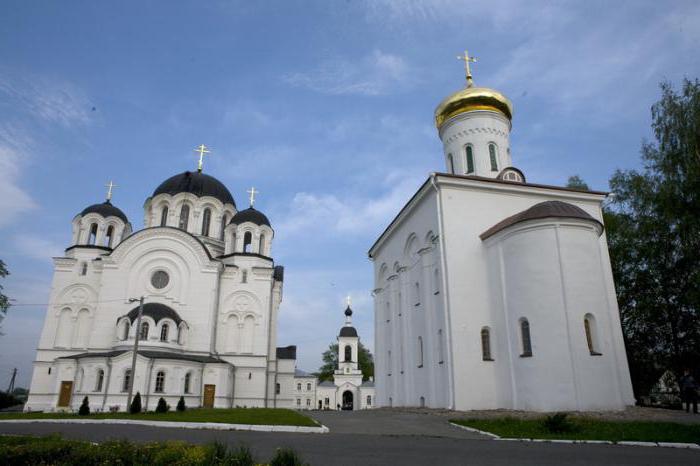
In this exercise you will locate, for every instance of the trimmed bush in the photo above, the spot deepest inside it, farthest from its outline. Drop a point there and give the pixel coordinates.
(286, 457)
(181, 404)
(85, 407)
(558, 423)
(135, 407)
(162, 406)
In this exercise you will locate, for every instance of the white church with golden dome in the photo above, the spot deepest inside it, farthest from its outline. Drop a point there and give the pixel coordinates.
(491, 291)
(208, 327)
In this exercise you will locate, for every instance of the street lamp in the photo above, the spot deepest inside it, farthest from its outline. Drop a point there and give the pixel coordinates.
(137, 337)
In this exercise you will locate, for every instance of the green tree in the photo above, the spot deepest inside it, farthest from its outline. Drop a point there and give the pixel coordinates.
(181, 406)
(162, 406)
(84, 407)
(653, 229)
(4, 300)
(576, 182)
(135, 407)
(330, 362)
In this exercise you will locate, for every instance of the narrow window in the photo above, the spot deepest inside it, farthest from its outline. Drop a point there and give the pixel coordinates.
(470, 159)
(416, 289)
(93, 234)
(109, 236)
(298, 401)
(436, 280)
(441, 347)
(247, 241)
(348, 354)
(308, 402)
(277, 389)
(486, 344)
(308, 387)
(49, 371)
(160, 381)
(144, 331)
(388, 312)
(206, 221)
(125, 330)
(422, 402)
(261, 245)
(525, 336)
(244, 276)
(83, 269)
(420, 351)
(590, 328)
(184, 217)
(492, 156)
(450, 163)
(188, 379)
(388, 362)
(224, 221)
(164, 216)
(164, 332)
(99, 380)
(369, 400)
(127, 379)
(299, 387)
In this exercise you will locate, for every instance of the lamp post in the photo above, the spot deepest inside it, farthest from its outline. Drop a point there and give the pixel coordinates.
(137, 337)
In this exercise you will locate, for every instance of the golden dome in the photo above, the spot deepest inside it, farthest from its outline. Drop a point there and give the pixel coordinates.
(472, 98)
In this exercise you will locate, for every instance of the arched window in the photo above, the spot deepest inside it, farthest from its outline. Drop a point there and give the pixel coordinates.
(369, 400)
(299, 386)
(224, 221)
(206, 221)
(422, 402)
(348, 354)
(143, 335)
(441, 347)
(261, 245)
(450, 163)
(127, 380)
(164, 216)
(92, 238)
(99, 379)
(160, 382)
(164, 332)
(525, 336)
(470, 159)
(188, 380)
(416, 290)
(492, 157)
(83, 268)
(244, 276)
(420, 351)
(125, 330)
(184, 217)
(181, 335)
(486, 344)
(247, 241)
(591, 336)
(109, 236)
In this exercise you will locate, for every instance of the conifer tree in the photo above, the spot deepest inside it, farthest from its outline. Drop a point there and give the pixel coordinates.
(135, 407)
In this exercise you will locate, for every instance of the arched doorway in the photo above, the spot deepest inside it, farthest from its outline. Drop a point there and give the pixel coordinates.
(347, 401)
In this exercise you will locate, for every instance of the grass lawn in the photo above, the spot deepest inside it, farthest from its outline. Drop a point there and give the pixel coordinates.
(256, 416)
(583, 428)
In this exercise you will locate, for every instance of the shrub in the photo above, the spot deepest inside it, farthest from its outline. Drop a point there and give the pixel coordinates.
(162, 406)
(85, 407)
(181, 404)
(286, 457)
(7, 400)
(135, 407)
(558, 423)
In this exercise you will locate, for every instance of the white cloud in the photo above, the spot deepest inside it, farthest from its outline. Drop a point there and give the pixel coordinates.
(37, 247)
(13, 154)
(375, 74)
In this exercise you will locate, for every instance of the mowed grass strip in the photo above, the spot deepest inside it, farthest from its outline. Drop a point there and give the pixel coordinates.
(589, 429)
(254, 416)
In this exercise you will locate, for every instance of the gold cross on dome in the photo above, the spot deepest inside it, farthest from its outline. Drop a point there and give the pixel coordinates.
(202, 149)
(252, 192)
(348, 300)
(109, 187)
(467, 59)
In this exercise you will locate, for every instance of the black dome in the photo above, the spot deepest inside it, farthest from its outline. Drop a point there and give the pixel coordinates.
(156, 311)
(250, 215)
(196, 183)
(348, 332)
(348, 311)
(106, 209)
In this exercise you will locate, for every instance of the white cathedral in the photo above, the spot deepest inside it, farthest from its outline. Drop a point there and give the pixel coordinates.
(209, 324)
(492, 292)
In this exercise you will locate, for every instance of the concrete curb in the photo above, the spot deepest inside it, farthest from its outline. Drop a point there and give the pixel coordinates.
(180, 425)
(692, 446)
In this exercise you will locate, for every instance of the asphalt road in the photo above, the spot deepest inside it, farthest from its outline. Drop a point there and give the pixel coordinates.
(384, 438)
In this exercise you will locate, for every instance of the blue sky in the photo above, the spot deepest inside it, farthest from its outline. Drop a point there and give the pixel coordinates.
(325, 107)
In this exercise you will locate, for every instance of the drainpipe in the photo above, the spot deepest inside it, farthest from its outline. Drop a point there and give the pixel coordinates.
(274, 403)
(443, 272)
(109, 376)
(148, 383)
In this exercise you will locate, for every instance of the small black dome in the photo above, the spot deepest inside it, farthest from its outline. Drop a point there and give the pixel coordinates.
(196, 183)
(106, 209)
(348, 332)
(348, 311)
(250, 215)
(156, 311)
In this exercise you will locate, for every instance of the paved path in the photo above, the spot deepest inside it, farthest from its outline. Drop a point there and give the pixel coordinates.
(383, 437)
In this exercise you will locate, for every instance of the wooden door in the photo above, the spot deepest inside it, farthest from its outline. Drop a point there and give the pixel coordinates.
(65, 393)
(209, 391)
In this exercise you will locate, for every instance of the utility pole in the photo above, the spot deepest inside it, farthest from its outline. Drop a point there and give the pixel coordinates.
(11, 388)
(137, 337)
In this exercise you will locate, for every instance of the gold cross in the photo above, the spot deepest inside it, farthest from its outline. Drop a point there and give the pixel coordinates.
(202, 149)
(348, 300)
(467, 59)
(109, 187)
(252, 193)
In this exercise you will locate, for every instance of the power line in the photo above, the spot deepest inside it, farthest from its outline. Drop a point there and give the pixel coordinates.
(68, 304)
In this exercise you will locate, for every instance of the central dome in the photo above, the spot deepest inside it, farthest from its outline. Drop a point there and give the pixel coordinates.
(472, 98)
(196, 183)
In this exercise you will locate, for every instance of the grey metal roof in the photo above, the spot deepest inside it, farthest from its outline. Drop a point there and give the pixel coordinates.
(107, 354)
(326, 384)
(368, 384)
(287, 352)
(150, 355)
(301, 373)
